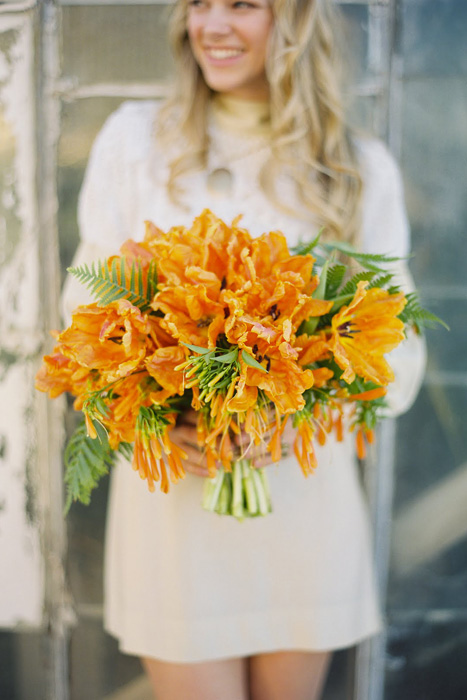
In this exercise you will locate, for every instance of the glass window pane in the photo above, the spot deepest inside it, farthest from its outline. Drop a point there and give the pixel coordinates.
(433, 37)
(434, 153)
(105, 43)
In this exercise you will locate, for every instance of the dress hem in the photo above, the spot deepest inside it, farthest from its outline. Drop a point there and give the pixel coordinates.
(298, 636)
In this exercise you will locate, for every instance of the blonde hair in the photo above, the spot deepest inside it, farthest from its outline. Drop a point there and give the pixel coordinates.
(309, 136)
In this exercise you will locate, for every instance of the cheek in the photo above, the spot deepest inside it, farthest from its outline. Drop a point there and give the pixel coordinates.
(261, 36)
(193, 30)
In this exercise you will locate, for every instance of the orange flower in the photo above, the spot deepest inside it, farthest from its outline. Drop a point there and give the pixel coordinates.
(304, 449)
(284, 384)
(112, 339)
(312, 348)
(364, 331)
(188, 313)
(59, 374)
(154, 452)
(161, 365)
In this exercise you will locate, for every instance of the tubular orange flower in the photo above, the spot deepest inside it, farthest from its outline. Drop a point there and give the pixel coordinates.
(152, 442)
(304, 449)
(364, 331)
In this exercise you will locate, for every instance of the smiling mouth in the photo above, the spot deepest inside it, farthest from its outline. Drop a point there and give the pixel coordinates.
(221, 54)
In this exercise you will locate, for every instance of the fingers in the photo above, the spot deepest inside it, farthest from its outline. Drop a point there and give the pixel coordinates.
(196, 470)
(184, 435)
(188, 417)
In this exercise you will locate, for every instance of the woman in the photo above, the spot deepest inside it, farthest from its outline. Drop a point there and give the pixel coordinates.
(217, 608)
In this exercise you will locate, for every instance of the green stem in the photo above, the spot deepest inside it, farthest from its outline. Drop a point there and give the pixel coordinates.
(249, 488)
(212, 490)
(237, 495)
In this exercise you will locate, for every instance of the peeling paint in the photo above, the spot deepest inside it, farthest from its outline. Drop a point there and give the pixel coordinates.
(3, 446)
(8, 358)
(21, 582)
(30, 490)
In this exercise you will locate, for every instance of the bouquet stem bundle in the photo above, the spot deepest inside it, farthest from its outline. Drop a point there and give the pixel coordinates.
(241, 492)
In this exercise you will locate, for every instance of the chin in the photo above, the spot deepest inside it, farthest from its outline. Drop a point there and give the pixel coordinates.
(222, 84)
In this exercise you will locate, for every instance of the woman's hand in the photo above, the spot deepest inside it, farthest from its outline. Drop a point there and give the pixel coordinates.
(259, 454)
(184, 435)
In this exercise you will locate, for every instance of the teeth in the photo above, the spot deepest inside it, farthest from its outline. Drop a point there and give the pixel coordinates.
(223, 53)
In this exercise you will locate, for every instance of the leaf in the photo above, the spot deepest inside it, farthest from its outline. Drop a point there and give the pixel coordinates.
(305, 248)
(249, 360)
(227, 357)
(197, 348)
(351, 285)
(336, 274)
(86, 462)
(126, 449)
(370, 261)
(381, 281)
(421, 318)
(109, 285)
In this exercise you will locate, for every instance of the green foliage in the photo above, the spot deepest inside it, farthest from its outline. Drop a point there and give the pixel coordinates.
(335, 277)
(109, 283)
(308, 247)
(152, 420)
(414, 314)
(351, 285)
(369, 261)
(249, 360)
(86, 462)
(382, 281)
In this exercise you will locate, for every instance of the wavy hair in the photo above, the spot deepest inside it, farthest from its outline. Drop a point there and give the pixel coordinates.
(309, 135)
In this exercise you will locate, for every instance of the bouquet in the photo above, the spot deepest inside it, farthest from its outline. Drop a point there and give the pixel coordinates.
(247, 333)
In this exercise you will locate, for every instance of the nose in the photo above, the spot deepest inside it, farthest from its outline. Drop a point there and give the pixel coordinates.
(217, 23)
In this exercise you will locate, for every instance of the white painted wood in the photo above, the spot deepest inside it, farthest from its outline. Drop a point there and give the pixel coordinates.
(21, 572)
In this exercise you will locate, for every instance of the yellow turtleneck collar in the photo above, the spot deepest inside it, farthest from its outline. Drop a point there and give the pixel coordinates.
(241, 116)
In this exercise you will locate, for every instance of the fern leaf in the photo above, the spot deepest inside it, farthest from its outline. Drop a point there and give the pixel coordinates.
(370, 261)
(381, 281)
(351, 285)
(109, 284)
(152, 280)
(416, 315)
(306, 247)
(336, 274)
(86, 462)
(126, 449)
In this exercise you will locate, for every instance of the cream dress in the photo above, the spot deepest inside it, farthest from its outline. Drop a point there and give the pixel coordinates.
(184, 585)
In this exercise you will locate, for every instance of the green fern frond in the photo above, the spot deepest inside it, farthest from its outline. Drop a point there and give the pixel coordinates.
(126, 449)
(394, 289)
(370, 261)
(351, 286)
(381, 281)
(306, 247)
(335, 277)
(109, 284)
(86, 462)
(414, 314)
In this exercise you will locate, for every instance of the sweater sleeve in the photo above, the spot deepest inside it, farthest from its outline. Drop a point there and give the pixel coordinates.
(108, 194)
(385, 229)
(104, 204)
